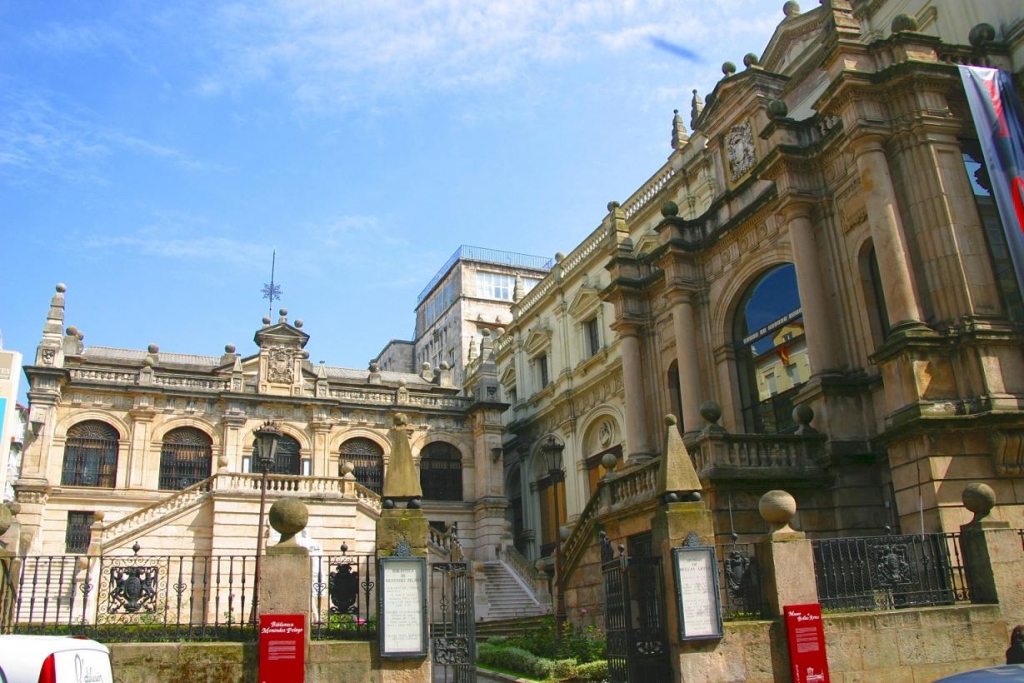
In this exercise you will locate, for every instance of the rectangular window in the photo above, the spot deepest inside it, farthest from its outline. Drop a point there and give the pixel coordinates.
(542, 370)
(593, 337)
(495, 286)
(79, 533)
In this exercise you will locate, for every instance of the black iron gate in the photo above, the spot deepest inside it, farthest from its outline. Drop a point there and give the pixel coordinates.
(634, 617)
(452, 632)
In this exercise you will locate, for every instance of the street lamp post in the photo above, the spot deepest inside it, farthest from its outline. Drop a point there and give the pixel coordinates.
(267, 437)
(552, 449)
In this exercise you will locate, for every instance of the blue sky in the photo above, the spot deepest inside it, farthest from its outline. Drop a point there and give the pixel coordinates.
(152, 155)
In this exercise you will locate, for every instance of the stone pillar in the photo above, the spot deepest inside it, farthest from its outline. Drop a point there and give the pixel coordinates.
(812, 294)
(887, 232)
(635, 403)
(784, 557)
(686, 354)
(286, 579)
(141, 435)
(402, 532)
(993, 556)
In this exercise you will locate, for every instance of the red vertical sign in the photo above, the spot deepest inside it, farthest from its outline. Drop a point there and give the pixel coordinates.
(808, 661)
(282, 648)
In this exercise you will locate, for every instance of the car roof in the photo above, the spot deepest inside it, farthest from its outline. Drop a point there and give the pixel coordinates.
(993, 674)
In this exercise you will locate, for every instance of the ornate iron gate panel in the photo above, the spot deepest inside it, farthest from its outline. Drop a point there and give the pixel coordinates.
(452, 625)
(637, 639)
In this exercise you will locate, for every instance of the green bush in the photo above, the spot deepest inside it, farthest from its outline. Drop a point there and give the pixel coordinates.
(593, 671)
(563, 668)
(514, 659)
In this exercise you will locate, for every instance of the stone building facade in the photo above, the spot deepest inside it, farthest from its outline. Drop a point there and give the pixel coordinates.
(815, 284)
(145, 446)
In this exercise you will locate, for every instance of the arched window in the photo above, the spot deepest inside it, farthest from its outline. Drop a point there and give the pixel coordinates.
(441, 472)
(90, 455)
(368, 458)
(184, 458)
(771, 351)
(287, 459)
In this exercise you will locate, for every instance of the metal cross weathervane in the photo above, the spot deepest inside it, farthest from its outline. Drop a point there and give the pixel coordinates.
(272, 291)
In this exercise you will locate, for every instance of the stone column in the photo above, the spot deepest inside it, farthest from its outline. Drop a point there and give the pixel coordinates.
(785, 557)
(812, 294)
(635, 403)
(686, 354)
(992, 555)
(887, 232)
(141, 435)
(286, 579)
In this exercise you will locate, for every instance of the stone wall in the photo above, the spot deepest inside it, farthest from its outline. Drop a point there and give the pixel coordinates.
(905, 645)
(236, 662)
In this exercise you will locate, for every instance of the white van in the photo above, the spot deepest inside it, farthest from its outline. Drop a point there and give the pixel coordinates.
(53, 659)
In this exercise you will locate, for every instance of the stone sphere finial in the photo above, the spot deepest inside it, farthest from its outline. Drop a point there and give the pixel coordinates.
(710, 411)
(791, 9)
(750, 59)
(728, 68)
(401, 419)
(222, 462)
(803, 414)
(609, 461)
(903, 22)
(559, 256)
(99, 516)
(61, 287)
(612, 205)
(153, 348)
(283, 311)
(229, 348)
(299, 323)
(980, 499)
(288, 517)
(266, 320)
(777, 109)
(670, 420)
(72, 331)
(347, 468)
(6, 519)
(981, 34)
(777, 507)
(669, 209)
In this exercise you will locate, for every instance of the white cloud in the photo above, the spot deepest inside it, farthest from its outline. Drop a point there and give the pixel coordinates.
(330, 53)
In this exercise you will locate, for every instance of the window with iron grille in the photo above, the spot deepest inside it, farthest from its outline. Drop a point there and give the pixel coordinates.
(287, 459)
(90, 455)
(441, 472)
(184, 458)
(78, 533)
(368, 459)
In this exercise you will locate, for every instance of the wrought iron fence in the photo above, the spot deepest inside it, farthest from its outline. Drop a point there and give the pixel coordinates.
(136, 598)
(740, 582)
(889, 572)
(344, 597)
(140, 598)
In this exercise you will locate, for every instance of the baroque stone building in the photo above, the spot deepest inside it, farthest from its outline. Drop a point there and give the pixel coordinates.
(815, 283)
(143, 445)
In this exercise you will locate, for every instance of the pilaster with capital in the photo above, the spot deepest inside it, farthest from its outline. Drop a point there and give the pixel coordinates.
(637, 440)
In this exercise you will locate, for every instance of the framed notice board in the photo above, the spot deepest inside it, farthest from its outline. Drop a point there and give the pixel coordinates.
(402, 612)
(698, 598)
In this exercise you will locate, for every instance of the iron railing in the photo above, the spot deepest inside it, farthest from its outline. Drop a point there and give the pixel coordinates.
(138, 598)
(344, 603)
(889, 572)
(740, 579)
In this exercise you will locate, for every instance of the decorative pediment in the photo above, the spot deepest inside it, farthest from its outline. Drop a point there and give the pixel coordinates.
(281, 334)
(584, 303)
(538, 340)
(508, 378)
(791, 40)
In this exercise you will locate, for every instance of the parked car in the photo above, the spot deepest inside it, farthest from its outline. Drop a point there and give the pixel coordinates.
(993, 674)
(53, 659)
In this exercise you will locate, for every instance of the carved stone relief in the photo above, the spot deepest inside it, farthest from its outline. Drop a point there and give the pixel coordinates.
(739, 148)
(279, 366)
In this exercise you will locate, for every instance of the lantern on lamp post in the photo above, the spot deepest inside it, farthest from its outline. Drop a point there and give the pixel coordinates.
(552, 449)
(268, 435)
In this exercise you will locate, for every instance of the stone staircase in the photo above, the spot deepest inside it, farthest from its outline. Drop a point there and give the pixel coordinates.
(507, 597)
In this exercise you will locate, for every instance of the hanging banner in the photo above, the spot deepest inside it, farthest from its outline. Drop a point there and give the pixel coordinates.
(999, 120)
(806, 636)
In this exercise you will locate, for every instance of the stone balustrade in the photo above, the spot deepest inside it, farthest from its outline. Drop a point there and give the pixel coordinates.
(718, 455)
(648, 191)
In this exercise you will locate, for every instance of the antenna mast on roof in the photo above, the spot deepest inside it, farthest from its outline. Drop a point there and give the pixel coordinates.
(272, 291)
